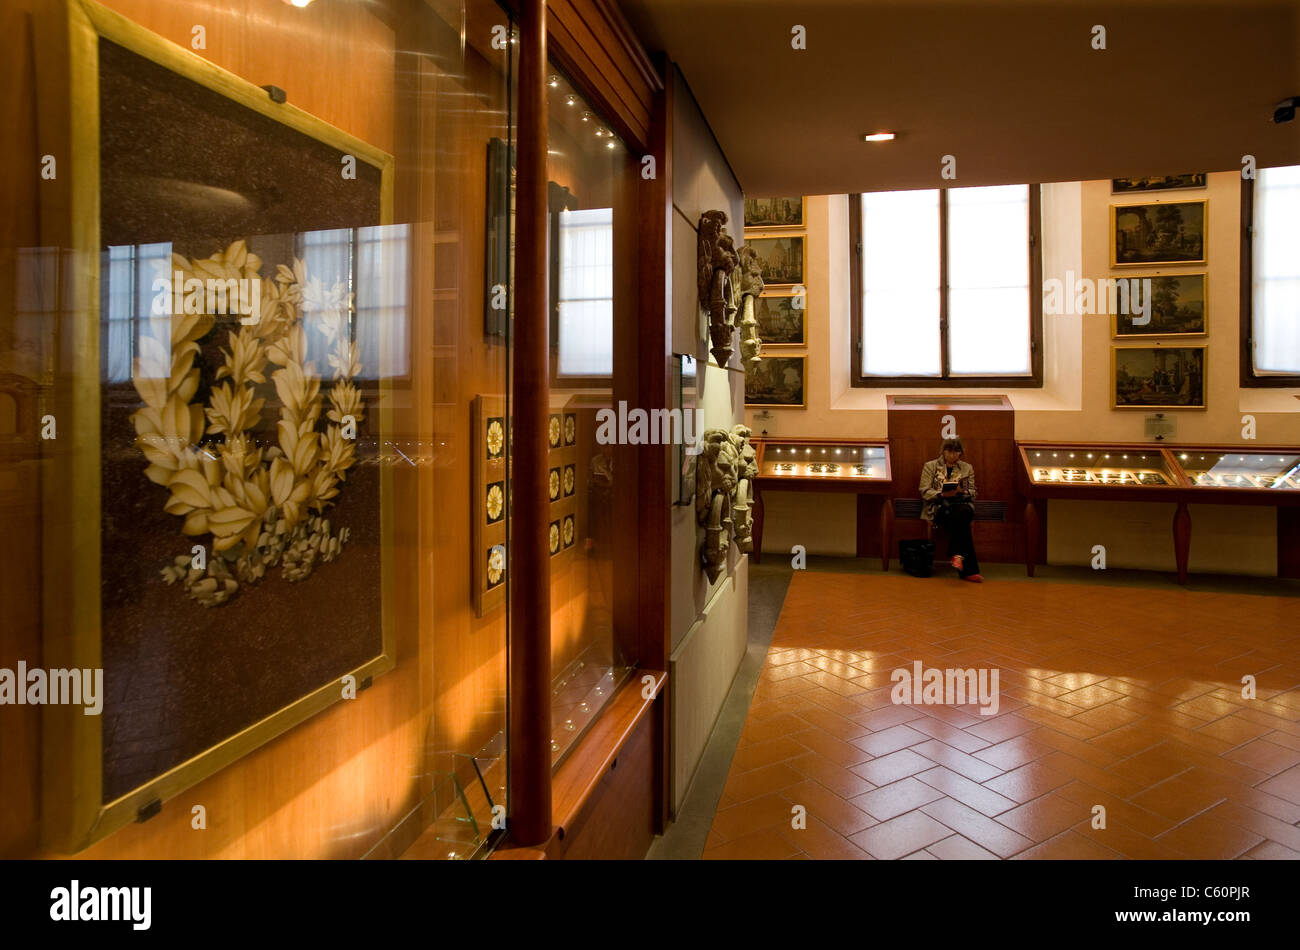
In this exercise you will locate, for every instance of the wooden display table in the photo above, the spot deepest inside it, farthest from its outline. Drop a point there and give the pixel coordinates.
(858, 466)
(1182, 475)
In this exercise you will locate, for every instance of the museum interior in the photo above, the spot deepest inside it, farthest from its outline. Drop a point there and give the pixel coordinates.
(569, 481)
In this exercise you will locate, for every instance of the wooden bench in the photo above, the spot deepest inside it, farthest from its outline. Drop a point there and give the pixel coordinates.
(907, 510)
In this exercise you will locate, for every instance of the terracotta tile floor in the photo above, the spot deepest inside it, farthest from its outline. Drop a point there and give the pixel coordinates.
(1124, 698)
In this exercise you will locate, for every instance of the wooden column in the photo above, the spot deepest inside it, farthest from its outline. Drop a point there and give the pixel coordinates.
(530, 562)
(1182, 539)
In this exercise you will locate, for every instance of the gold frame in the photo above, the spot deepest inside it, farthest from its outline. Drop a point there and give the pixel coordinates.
(791, 235)
(803, 325)
(1205, 235)
(74, 815)
(779, 405)
(803, 217)
(1205, 377)
(1205, 313)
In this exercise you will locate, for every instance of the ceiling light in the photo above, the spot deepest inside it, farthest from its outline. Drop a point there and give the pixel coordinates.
(571, 100)
(878, 137)
(586, 117)
(553, 81)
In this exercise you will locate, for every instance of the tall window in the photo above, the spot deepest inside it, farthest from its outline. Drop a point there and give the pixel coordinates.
(941, 287)
(586, 292)
(1270, 278)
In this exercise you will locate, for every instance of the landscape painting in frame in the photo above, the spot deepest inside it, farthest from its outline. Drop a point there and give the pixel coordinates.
(242, 518)
(1164, 233)
(1158, 377)
(1177, 308)
(777, 381)
(1122, 186)
(774, 212)
(781, 320)
(780, 257)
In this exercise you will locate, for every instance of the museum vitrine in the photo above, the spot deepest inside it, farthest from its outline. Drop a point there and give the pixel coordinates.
(823, 459)
(1218, 468)
(1099, 465)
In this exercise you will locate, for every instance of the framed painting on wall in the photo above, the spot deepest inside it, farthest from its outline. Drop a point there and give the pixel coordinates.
(1123, 186)
(1165, 233)
(781, 258)
(781, 319)
(1157, 377)
(777, 381)
(1177, 308)
(219, 531)
(775, 212)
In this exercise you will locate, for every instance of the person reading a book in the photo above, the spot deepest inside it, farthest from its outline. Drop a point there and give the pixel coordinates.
(948, 490)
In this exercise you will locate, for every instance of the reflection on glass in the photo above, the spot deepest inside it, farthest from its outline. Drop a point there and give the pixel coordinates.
(1118, 467)
(839, 461)
(1242, 470)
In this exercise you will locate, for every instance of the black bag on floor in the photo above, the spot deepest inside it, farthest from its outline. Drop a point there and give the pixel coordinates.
(917, 557)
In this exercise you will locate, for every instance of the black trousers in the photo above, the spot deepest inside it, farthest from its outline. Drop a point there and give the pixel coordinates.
(955, 521)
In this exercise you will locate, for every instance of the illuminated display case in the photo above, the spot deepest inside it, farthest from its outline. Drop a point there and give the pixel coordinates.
(1185, 475)
(823, 460)
(1215, 468)
(1100, 466)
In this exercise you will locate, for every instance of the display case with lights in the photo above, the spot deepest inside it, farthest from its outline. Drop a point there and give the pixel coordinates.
(1183, 475)
(860, 466)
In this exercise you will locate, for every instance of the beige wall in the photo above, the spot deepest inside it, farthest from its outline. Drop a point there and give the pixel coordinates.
(1074, 403)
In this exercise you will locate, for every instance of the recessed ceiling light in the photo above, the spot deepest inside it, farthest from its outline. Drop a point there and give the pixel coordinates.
(878, 137)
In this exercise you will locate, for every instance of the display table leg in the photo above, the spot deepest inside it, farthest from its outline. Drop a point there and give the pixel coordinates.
(756, 529)
(886, 530)
(1182, 539)
(1031, 537)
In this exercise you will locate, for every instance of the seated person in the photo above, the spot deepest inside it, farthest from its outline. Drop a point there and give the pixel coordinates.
(948, 489)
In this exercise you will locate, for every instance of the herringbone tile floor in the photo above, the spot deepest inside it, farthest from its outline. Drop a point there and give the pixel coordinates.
(1129, 699)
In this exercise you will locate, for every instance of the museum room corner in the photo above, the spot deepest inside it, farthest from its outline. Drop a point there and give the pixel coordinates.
(481, 430)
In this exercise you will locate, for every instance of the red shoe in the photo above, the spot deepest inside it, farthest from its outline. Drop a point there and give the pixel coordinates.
(974, 578)
(956, 562)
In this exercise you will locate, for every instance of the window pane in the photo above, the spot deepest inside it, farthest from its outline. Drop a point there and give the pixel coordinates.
(1276, 259)
(587, 292)
(988, 281)
(900, 283)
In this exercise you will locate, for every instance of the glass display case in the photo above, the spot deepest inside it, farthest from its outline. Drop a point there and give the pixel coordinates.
(1099, 465)
(824, 460)
(1217, 468)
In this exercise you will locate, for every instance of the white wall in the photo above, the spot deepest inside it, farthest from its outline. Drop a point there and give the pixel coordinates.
(709, 620)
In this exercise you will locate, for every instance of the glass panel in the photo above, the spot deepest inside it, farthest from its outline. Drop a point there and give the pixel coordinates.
(262, 334)
(1099, 466)
(1236, 470)
(900, 283)
(592, 532)
(1276, 288)
(824, 461)
(988, 280)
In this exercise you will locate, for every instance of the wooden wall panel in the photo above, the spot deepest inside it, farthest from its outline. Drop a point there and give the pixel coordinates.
(333, 785)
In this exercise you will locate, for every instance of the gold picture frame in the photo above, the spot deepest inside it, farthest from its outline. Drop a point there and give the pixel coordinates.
(760, 383)
(1161, 380)
(765, 313)
(74, 812)
(756, 205)
(1150, 249)
(1158, 334)
(786, 275)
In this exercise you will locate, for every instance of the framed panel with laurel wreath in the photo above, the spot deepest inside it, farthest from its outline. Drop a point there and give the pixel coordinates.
(218, 521)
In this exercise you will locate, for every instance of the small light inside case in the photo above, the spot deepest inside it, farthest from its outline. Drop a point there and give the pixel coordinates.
(553, 81)
(878, 137)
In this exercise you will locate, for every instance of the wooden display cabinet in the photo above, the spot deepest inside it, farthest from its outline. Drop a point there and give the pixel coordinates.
(859, 466)
(1183, 475)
